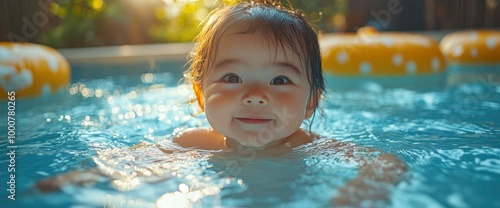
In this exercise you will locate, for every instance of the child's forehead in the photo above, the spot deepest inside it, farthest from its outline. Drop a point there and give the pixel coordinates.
(246, 29)
(255, 49)
(258, 37)
(235, 36)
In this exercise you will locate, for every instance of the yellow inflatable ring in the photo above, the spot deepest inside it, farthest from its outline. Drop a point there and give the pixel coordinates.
(472, 47)
(370, 53)
(31, 70)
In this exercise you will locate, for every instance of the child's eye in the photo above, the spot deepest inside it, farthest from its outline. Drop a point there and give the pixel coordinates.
(231, 78)
(280, 81)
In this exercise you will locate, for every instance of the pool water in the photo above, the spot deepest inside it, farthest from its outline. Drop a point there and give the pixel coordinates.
(448, 134)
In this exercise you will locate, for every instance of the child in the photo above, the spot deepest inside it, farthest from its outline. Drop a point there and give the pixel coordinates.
(256, 72)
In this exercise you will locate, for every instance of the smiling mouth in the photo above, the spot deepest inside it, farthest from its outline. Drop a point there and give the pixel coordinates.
(254, 120)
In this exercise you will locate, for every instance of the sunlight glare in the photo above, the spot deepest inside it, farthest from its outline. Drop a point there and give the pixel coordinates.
(183, 188)
(97, 4)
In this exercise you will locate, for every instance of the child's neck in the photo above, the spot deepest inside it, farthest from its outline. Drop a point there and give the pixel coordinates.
(299, 137)
(231, 143)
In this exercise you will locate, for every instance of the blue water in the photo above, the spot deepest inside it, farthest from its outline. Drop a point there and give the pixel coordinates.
(448, 134)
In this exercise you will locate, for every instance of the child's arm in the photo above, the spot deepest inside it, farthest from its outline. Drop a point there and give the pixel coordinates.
(182, 142)
(378, 173)
(84, 178)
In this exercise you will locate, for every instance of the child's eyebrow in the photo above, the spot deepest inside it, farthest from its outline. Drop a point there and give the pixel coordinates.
(226, 62)
(287, 65)
(281, 65)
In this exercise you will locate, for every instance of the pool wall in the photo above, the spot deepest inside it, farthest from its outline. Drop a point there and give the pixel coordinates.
(99, 62)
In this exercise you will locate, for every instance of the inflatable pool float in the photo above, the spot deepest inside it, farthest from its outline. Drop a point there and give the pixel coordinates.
(31, 70)
(472, 47)
(383, 54)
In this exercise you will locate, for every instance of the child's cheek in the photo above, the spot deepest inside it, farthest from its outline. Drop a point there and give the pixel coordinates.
(220, 96)
(292, 100)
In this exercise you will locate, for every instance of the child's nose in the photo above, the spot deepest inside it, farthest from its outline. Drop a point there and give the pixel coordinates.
(255, 99)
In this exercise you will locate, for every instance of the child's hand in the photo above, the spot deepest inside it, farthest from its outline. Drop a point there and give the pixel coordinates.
(80, 178)
(376, 177)
(359, 193)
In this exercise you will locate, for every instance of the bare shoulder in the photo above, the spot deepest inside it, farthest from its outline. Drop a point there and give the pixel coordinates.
(300, 137)
(200, 138)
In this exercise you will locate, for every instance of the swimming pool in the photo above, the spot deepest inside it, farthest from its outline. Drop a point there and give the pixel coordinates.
(446, 131)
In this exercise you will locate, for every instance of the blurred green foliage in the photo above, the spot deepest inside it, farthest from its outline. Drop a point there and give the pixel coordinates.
(84, 23)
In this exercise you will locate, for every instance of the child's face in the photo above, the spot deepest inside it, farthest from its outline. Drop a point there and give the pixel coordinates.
(255, 93)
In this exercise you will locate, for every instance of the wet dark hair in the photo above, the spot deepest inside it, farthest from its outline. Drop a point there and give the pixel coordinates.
(278, 24)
